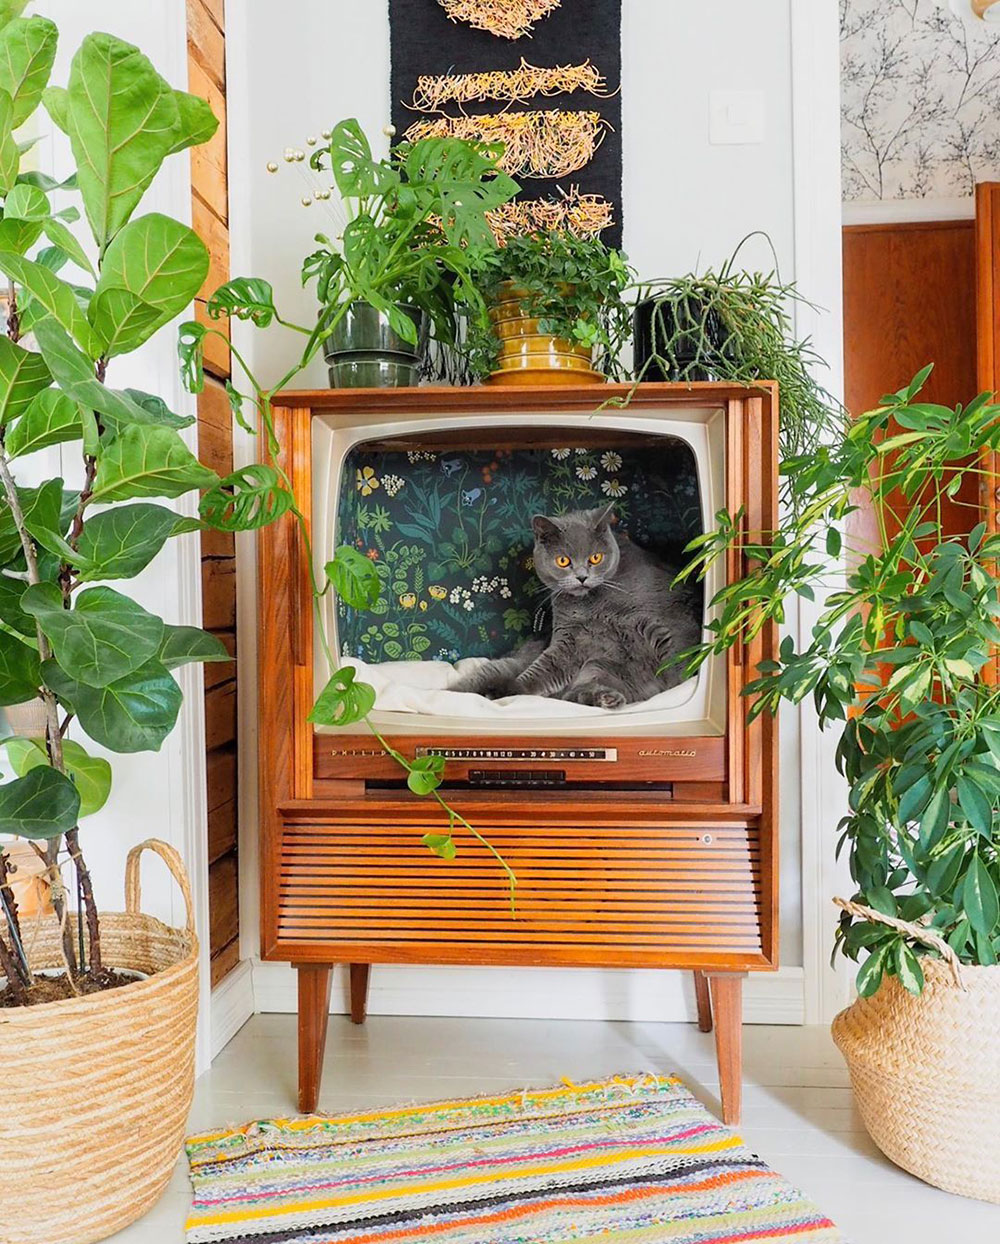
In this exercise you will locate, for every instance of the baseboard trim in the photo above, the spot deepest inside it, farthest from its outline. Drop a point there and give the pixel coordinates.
(537, 993)
(232, 1004)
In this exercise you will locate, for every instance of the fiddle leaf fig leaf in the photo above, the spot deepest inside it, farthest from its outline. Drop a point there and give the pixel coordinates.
(154, 410)
(18, 235)
(41, 509)
(103, 638)
(249, 498)
(50, 419)
(354, 578)
(20, 676)
(150, 273)
(91, 774)
(123, 120)
(26, 202)
(120, 542)
(134, 714)
(22, 375)
(185, 644)
(196, 122)
(343, 700)
(27, 52)
(42, 804)
(66, 241)
(149, 462)
(56, 102)
(10, 153)
(55, 296)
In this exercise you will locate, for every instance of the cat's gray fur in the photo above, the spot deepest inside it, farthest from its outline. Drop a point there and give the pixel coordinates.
(614, 625)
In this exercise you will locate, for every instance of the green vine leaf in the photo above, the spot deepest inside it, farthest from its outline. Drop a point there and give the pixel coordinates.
(354, 578)
(343, 700)
(246, 297)
(425, 774)
(442, 845)
(43, 804)
(246, 500)
(191, 352)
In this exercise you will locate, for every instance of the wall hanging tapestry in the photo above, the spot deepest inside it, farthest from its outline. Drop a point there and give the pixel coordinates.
(450, 536)
(541, 76)
(635, 1159)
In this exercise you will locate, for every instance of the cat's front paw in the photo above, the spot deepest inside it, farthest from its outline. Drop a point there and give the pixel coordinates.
(610, 699)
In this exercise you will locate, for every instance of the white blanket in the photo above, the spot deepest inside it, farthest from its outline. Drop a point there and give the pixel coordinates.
(422, 687)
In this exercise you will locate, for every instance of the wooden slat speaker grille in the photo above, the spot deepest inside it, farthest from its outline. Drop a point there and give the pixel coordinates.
(597, 890)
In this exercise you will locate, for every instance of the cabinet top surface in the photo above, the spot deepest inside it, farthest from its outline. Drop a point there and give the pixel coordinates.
(540, 397)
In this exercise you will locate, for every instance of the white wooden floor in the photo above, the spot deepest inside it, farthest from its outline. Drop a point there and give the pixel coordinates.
(798, 1111)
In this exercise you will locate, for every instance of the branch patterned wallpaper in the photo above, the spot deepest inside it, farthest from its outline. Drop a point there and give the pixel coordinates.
(920, 101)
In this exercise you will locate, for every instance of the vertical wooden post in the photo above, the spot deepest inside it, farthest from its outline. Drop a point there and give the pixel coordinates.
(360, 975)
(314, 1013)
(727, 1007)
(704, 1001)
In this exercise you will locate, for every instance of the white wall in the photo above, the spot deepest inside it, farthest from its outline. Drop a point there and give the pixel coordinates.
(154, 795)
(299, 66)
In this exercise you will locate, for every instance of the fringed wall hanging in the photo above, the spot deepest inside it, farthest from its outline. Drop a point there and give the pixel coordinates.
(541, 76)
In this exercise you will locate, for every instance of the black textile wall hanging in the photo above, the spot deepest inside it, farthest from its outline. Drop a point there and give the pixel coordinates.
(584, 35)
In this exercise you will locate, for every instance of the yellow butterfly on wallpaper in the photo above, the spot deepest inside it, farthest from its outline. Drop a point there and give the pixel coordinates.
(507, 19)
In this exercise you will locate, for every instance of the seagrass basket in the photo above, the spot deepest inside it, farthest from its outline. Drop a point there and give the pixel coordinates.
(926, 1070)
(95, 1091)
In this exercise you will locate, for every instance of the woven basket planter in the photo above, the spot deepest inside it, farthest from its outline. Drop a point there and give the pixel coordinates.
(95, 1091)
(926, 1074)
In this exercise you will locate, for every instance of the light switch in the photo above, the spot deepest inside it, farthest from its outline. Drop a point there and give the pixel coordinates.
(736, 117)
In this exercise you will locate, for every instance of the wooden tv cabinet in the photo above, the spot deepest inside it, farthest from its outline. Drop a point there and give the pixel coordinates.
(672, 864)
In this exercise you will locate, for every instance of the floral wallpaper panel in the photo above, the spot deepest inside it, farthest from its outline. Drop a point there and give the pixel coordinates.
(450, 536)
(920, 100)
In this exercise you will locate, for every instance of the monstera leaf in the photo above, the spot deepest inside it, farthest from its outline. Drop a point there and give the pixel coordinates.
(357, 173)
(462, 182)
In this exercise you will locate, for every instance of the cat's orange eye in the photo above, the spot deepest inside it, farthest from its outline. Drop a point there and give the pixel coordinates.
(562, 562)
(595, 559)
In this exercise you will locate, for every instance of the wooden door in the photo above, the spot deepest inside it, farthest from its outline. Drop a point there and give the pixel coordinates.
(988, 342)
(210, 216)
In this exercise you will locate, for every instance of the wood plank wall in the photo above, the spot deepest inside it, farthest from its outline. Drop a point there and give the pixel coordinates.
(210, 214)
(910, 300)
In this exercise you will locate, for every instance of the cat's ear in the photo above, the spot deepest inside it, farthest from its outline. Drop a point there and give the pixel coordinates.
(602, 518)
(543, 527)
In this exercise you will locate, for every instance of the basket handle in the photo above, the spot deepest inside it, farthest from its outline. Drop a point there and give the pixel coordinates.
(919, 933)
(133, 886)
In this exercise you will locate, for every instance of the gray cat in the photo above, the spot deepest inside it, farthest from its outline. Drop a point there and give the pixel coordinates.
(616, 620)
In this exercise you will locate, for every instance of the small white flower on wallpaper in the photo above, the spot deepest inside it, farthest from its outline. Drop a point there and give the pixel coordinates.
(920, 101)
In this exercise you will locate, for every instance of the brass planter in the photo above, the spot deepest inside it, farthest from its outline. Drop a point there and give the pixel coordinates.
(528, 356)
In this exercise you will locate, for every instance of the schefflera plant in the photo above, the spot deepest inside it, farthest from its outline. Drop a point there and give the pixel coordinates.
(93, 655)
(899, 661)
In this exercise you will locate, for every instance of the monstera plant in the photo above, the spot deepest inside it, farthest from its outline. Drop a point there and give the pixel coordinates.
(70, 636)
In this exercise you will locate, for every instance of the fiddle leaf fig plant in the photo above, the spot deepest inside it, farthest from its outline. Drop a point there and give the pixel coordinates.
(100, 663)
(898, 663)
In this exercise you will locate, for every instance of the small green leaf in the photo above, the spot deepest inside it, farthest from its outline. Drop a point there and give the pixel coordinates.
(103, 638)
(833, 542)
(343, 700)
(42, 804)
(908, 969)
(134, 714)
(191, 352)
(442, 845)
(22, 375)
(249, 498)
(354, 578)
(91, 774)
(979, 898)
(50, 419)
(425, 774)
(870, 975)
(149, 462)
(975, 804)
(183, 645)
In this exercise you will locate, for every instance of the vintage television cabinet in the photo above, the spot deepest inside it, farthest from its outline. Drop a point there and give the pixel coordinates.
(655, 852)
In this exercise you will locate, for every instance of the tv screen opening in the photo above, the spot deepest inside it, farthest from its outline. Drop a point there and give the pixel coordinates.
(452, 518)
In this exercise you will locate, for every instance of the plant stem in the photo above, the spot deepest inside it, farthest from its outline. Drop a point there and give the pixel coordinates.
(8, 965)
(90, 907)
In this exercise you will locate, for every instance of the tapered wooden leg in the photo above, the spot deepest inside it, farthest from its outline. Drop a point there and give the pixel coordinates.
(360, 973)
(314, 1012)
(727, 1008)
(704, 1000)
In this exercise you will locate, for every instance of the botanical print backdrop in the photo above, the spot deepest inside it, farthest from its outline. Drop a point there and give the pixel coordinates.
(920, 100)
(450, 536)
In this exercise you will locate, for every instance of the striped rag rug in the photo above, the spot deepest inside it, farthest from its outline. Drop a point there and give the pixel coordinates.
(629, 1159)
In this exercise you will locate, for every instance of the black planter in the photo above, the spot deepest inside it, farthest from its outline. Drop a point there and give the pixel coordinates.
(697, 348)
(363, 351)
